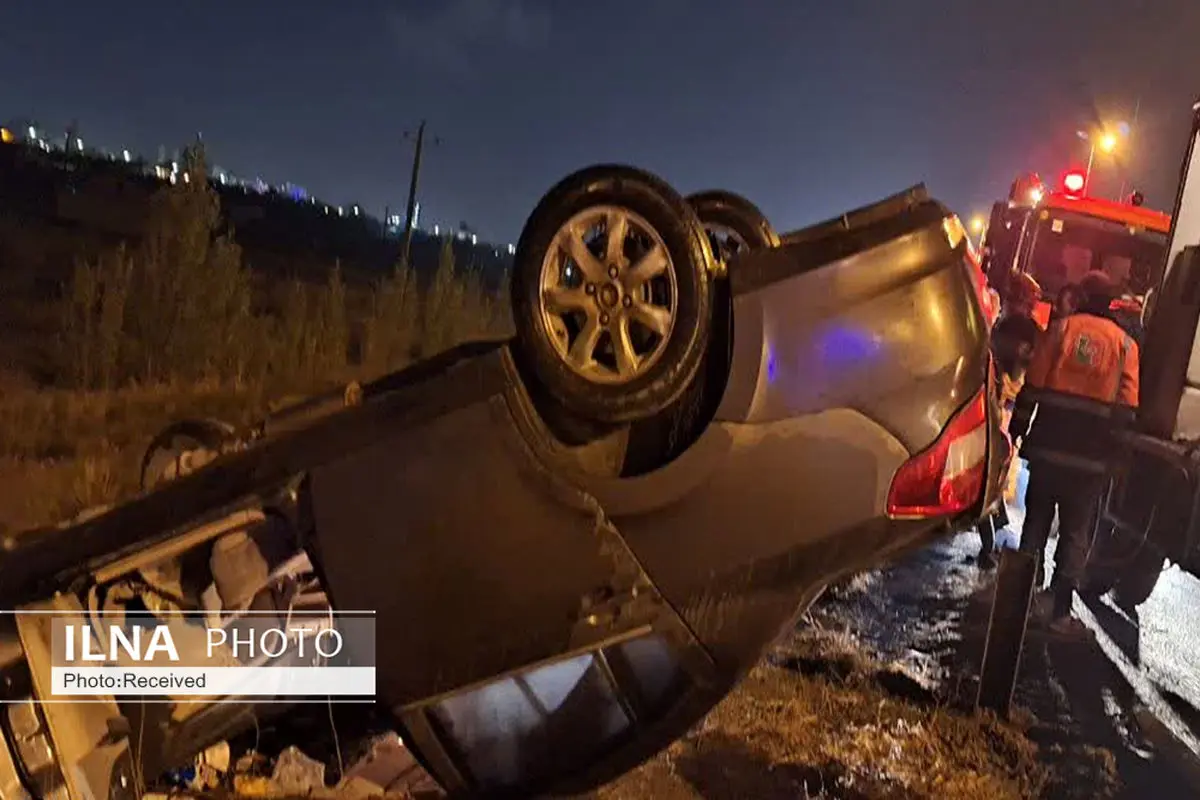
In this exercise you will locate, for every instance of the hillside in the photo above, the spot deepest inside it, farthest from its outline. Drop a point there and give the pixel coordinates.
(59, 210)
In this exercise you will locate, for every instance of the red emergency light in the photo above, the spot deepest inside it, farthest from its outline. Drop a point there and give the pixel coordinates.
(1074, 182)
(1027, 189)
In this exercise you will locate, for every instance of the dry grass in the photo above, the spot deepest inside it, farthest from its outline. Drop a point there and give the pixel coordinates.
(175, 329)
(62, 451)
(832, 725)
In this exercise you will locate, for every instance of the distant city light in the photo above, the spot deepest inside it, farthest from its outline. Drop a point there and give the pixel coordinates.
(169, 171)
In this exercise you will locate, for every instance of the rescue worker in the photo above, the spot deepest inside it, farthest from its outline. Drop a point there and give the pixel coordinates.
(1067, 301)
(1013, 338)
(1083, 383)
(1127, 312)
(1016, 332)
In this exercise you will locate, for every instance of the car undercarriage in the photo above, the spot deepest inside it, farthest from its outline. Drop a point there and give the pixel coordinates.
(572, 543)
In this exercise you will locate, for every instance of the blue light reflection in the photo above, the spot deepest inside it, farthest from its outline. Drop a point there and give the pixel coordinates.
(841, 346)
(835, 349)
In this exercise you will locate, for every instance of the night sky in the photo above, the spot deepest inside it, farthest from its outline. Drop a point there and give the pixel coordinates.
(809, 108)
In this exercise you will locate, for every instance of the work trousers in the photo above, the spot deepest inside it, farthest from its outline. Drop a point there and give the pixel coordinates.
(1075, 493)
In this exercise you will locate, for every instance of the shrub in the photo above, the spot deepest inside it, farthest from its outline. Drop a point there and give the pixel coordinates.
(390, 332)
(178, 307)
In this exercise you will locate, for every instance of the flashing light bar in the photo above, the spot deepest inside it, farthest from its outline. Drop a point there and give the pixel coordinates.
(1074, 182)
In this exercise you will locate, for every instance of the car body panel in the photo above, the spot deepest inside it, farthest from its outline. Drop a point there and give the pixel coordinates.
(504, 569)
(94, 762)
(813, 460)
(893, 331)
(38, 563)
(13, 669)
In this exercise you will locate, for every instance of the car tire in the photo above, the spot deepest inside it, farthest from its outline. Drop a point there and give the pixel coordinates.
(730, 213)
(578, 375)
(178, 438)
(727, 218)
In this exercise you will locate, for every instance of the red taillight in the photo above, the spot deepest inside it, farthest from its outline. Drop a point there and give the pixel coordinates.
(948, 477)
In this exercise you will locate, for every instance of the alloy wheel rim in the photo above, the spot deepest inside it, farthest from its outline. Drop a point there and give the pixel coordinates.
(609, 295)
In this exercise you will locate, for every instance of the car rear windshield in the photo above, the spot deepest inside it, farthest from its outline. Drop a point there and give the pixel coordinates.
(1067, 245)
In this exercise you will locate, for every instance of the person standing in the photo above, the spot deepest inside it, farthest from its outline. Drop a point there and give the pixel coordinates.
(1083, 383)
(1067, 301)
(1014, 336)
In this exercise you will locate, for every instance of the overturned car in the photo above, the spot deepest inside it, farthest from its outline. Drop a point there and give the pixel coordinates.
(575, 542)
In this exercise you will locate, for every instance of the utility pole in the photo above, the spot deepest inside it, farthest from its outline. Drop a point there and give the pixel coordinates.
(1132, 127)
(419, 139)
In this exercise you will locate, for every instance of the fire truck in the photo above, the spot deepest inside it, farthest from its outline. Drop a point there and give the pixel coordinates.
(1150, 516)
(1057, 235)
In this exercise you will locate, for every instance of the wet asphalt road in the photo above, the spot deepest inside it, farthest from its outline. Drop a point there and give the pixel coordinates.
(1135, 693)
(1166, 650)
(1170, 636)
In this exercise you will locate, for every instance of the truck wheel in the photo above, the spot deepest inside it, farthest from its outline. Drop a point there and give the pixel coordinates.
(162, 461)
(1139, 578)
(734, 225)
(611, 295)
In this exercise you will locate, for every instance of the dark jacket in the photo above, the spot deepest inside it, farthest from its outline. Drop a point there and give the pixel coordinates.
(1014, 337)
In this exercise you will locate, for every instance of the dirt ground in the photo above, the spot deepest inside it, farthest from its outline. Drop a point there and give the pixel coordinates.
(821, 720)
(871, 699)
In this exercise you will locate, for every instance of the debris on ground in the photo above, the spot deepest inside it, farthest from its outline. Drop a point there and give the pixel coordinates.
(387, 770)
(296, 773)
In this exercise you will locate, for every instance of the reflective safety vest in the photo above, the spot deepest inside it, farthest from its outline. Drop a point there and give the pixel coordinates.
(1088, 357)
(1083, 383)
